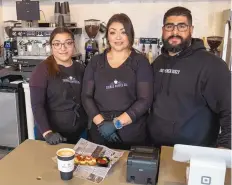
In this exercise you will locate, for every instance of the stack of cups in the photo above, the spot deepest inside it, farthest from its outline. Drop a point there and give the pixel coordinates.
(62, 9)
(61, 21)
(65, 11)
(66, 4)
(57, 12)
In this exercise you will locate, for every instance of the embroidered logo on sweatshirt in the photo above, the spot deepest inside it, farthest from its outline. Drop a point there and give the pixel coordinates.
(116, 84)
(173, 71)
(71, 80)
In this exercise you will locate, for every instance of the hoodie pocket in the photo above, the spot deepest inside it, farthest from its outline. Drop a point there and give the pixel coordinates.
(200, 129)
(161, 130)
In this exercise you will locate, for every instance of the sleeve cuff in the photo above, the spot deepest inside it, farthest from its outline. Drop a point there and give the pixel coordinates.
(131, 115)
(42, 129)
(93, 115)
(226, 143)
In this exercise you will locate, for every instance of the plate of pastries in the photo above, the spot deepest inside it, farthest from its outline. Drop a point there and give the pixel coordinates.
(91, 161)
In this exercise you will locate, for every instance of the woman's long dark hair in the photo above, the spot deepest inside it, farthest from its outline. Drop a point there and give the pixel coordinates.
(127, 24)
(52, 66)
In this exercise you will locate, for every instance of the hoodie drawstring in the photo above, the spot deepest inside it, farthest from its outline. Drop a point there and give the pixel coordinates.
(173, 62)
(162, 77)
(77, 115)
(169, 77)
(169, 81)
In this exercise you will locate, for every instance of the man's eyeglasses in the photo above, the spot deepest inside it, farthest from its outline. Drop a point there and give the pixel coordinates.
(180, 27)
(58, 45)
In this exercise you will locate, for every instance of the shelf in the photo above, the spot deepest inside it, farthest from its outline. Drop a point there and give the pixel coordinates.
(9, 2)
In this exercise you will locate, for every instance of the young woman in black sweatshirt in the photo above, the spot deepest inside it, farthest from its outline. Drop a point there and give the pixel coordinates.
(55, 87)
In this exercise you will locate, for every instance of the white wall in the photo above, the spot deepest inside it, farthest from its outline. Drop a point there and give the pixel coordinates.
(1, 32)
(146, 17)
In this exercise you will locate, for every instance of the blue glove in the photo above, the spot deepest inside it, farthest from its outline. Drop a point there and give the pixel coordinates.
(108, 131)
(114, 138)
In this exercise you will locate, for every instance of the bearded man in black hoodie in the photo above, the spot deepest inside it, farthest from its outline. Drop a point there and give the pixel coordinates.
(192, 89)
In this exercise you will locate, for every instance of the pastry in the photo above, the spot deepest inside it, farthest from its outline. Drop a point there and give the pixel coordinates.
(79, 159)
(76, 161)
(85, 160)
(92, 162)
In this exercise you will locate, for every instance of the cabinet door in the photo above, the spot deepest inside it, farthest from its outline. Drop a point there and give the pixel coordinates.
(9, 119)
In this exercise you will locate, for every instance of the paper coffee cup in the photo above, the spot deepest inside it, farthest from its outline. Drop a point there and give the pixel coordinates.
(65, 161)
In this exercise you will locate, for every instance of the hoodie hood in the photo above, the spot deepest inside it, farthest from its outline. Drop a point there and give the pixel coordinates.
(169, 63)
(196, 44)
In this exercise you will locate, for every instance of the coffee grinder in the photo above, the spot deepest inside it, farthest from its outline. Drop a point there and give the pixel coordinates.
(214, 42)
(92, 27)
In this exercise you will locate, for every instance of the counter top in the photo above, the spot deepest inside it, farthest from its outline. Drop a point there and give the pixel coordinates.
(12, 71)
(32, 159)
(4, 72)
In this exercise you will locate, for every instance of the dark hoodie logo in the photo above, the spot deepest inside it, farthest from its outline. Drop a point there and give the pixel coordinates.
(173, 71)
(116, 84)
(71, 80)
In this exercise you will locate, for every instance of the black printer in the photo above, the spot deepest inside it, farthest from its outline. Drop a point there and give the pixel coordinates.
(143, 165)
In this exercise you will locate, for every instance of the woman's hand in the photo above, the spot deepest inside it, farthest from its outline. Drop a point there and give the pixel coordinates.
(54, 138)
(45, 133)
(125, 119)
(98, 119)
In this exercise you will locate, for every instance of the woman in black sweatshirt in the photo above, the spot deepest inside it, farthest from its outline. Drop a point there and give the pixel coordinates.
(117, 89)
(55, 87)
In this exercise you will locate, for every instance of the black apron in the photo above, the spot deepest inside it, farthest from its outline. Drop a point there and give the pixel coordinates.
(65, 112)
(115, 92)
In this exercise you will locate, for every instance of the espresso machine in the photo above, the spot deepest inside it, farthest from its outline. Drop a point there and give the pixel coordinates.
(32, 47)
(30, 43)
(92, 27)
(31, 39)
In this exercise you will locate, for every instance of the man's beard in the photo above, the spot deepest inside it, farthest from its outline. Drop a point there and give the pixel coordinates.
(177, 48)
